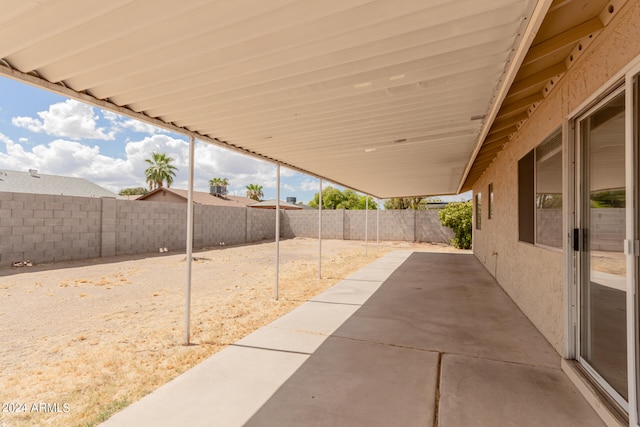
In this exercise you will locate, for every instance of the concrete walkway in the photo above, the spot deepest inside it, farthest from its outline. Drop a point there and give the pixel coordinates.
(413, 339)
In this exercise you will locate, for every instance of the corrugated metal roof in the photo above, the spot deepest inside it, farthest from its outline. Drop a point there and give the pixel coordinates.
(37, 183)
(388, 97)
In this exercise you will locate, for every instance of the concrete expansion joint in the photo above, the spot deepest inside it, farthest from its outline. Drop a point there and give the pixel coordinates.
(384, 343)
(436, 403)
(334, 303)
(509, 362)
(279, 350)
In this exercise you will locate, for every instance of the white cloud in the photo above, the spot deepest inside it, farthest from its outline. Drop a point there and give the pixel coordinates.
(310, 185)
(122, 124)
(76, 158)
(141, 127)
(23, 140)
(68, 119)
(68, 158)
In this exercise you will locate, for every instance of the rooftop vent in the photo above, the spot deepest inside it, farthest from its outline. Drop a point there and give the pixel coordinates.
(218, 190)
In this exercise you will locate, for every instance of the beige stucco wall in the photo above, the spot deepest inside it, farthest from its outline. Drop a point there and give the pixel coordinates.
(533, 276)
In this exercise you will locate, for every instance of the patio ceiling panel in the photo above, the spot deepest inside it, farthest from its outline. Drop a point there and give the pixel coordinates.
(389, 97)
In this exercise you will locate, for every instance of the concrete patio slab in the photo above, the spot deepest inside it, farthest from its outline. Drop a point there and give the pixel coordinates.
(486, 393)
(449, 303)
(272, 338)
(356, 383)
(316, 317)
(437, 344)
(382, 268)
(349, 291)
(224, 390)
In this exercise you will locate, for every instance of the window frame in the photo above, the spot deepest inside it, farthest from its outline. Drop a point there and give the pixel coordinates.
(528, 191)
(477, 205)
(490, 212)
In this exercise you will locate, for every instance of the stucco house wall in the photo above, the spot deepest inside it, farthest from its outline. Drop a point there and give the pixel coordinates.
(533, 275)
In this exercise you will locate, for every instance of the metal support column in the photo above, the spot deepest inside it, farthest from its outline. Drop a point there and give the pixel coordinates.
(320, 231)
(378, 224)
(277, 229)
(189, 259)
(366, 225)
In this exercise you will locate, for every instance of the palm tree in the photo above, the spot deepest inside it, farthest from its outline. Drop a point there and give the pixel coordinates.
(254, 191)
(160, 170)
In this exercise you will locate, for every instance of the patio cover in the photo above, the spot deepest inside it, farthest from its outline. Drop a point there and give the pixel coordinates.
(389, 97)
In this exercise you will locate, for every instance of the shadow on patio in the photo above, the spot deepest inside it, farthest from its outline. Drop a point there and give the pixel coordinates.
(412, 339)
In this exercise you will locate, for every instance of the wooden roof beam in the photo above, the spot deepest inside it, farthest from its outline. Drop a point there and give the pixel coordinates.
(537, 79)
(508, 122)
(519, 106)
(502, 133)
(562, 40)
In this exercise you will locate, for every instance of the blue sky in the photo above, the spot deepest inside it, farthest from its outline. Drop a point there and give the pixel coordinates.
(55, 135)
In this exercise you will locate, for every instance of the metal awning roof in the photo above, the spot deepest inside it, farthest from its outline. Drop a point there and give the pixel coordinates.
(389, 97)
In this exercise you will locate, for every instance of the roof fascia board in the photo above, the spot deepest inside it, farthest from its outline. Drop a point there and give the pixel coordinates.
(538, 15)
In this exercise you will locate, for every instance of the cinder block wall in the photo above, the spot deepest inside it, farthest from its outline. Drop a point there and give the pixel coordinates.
(216, 224)
(304, 223)
(44, 228)
(395, 225)
(429, 228)
(607, 229)
(261, 224)
(144, 227)
(354, 225)
(48, 228)
(403, 225)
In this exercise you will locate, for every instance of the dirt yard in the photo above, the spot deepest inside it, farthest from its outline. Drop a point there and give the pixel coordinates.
(82, 340)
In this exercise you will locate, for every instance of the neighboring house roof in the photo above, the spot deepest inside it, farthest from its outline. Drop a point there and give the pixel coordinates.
(39, 183)
(271, 204)
(199, 197)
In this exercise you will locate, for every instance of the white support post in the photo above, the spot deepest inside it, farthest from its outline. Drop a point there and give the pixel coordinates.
(277, 229)
(187, 316)
(378, 225)
(366, 225)
(320, 231)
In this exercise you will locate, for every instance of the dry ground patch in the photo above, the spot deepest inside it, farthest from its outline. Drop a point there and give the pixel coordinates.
(89, 338)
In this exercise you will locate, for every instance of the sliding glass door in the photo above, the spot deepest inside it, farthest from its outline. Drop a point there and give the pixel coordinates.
(602, 204)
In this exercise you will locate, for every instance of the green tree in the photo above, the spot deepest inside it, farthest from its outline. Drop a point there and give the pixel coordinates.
(332, 198)
(362, 203)
(608, 198)
(458, 217)
(133, 191)
(254, 191)
(415, 203)
(160, 170)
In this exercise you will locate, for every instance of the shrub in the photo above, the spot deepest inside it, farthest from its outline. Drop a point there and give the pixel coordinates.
(458, 217)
